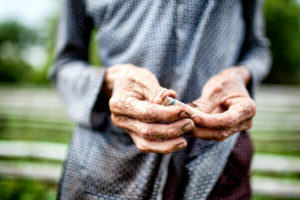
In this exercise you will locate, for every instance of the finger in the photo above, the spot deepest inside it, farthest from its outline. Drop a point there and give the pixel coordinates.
(240, 109)
(217, 134)
(207, 133)
(146, 111)
(240, 127)
(158, 95)
(217, 109)
(153, 131)
(162, 146)
(203, 105)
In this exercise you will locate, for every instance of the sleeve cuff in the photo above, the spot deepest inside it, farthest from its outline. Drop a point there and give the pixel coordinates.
(79, 85)
(258, 62)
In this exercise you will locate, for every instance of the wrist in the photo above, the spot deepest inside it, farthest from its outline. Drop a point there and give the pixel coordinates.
(244, 73)
(240, 73)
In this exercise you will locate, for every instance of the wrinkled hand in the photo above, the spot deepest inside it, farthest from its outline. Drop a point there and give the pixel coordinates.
(225, 104)
(134, 104)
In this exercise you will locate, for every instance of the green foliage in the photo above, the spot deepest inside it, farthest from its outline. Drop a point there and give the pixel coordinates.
(25, 189)
(14, 71)
(48, 41)
(283, 30)
(14, 38)
(16, 34)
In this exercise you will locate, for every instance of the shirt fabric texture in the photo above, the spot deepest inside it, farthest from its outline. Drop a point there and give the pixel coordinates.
(184, 43)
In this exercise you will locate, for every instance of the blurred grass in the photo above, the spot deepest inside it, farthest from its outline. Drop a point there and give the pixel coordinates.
(276, 142)
(262, 197)
(291, 176)
(26, 189)
(29, 128)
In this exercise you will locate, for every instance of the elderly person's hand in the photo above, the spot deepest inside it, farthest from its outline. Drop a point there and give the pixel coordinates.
(225, 104)
(135, 106)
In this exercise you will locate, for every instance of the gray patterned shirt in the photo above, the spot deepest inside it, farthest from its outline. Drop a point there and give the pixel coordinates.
(184, 43)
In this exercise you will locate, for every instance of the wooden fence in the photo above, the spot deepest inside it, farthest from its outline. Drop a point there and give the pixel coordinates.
(34, 131)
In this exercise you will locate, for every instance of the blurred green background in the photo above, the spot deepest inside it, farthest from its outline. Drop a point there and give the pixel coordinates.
(32, 118)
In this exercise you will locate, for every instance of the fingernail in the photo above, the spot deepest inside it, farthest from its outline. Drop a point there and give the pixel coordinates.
(197, 119)
(188, 127)
(184, 114)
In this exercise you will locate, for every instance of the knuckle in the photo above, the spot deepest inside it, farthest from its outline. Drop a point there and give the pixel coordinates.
(149, 115)
(112, 102)
(125, 102)
(244, 126)
(252, 107)
(158, 94)
(173, 132)
(146, 132)
(142, 147)
(175, 127)
(115, 120)
(197, 119)
(218, 88)
(130, 81)
(119, 121)
(235, 129)
(221, 135)
(224, 134)
(172, 93)
(232, 121)
(154, 94)
(119, 103)
(162, 92)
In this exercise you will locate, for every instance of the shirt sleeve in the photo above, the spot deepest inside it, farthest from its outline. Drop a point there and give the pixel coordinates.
(77, 82)
(255, 53)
